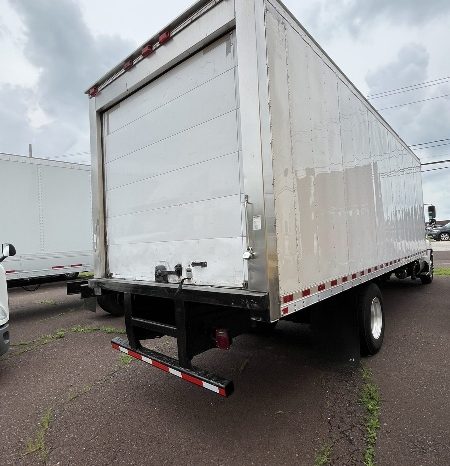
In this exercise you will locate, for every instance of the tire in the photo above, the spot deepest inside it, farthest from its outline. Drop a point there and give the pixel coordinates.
(428, 278)
(444, 236)
(370, 319)
(72, 276)
(112, 304)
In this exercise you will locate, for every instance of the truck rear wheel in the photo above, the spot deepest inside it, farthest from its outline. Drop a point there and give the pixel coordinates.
(371, 319)
(112, 303)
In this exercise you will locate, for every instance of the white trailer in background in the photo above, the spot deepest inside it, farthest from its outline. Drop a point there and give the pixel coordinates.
(239, 177)
(7, 250)
(46, 214)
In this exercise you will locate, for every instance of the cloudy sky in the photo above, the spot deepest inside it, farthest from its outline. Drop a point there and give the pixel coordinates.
(52, 50)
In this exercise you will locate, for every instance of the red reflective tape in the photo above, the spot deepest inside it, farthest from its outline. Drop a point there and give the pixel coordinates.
(10, 271)
(285, 310)
(375, 268)
(370, 270)
(191, 379)
(160, 366)
(321, 287)
(115, 346)
(76, 265)
(135, 355)
(306, 292)
(164, 37)
(333, 282)
(56, 267)
(353, 275)
(344, 279)
(361, 273)
(288, 298)
(222, 392)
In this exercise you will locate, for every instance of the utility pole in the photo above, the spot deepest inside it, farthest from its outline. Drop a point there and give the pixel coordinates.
(30, 150)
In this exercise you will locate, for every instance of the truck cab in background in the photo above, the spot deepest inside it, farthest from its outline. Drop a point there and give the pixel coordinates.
(7, 250)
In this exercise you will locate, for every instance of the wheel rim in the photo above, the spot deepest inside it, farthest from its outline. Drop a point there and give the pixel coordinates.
(445, 236)
(376, 318)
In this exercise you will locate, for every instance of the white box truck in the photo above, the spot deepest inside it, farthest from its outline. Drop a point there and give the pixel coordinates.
(46, 215)
(7, 250)
(239, 177)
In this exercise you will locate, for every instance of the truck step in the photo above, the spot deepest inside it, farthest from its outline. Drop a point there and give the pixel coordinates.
(167, 364)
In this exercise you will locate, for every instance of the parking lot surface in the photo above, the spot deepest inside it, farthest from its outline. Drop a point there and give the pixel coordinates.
(68, 398)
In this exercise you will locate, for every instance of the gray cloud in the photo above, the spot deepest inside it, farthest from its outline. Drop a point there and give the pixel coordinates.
(420, 122)
(360, 13)
(356, 16)
(68, 58)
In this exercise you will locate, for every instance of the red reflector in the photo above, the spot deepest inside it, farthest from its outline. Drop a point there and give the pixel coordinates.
(306, 292)
(93, 91)
(76, 265)
(288, 298)
(55, 267)
(223, 340)
(333, 282)
(321, 287)
(127, 65)
(164, 37)
(10, 271)
(353, 275)
(147, 50)
(344, 279)
(285, 310)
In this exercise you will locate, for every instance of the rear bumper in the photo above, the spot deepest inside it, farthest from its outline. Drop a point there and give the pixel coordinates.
(193, 375)
(4, 339)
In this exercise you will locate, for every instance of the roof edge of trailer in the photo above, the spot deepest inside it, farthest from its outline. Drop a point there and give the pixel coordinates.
(358, 92)
(157, 40)
(43, 161)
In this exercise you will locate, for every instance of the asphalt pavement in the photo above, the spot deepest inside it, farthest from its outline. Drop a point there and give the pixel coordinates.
(69, 399)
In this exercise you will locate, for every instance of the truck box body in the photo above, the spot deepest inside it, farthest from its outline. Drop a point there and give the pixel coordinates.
(238, 178)
(238, 133)
(46, 216)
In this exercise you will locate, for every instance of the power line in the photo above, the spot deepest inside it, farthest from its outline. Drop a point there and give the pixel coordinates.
(413, 87)
(434, 169)
(431, 147)
(418, 88)
(415, 102)
(429, 142)
(433, 163)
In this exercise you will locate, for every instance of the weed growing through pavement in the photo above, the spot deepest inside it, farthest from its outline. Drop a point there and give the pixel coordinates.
(48, 302)
(323, 456)
(61, 333)
(442, 271)
(370, 398)
(125, 359)
(38, 444)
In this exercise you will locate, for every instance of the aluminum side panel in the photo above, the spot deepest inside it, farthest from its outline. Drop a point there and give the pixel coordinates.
(348, 181)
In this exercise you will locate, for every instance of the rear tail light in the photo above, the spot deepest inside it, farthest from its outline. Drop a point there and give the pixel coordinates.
(223, 339)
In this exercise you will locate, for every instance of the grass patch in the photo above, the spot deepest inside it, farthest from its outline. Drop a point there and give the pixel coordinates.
(442, 271)
(323, 456)
(371, 400)
(125, 360)
(25, 346)
(85, 275)
(48, 302)
(38, 444)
